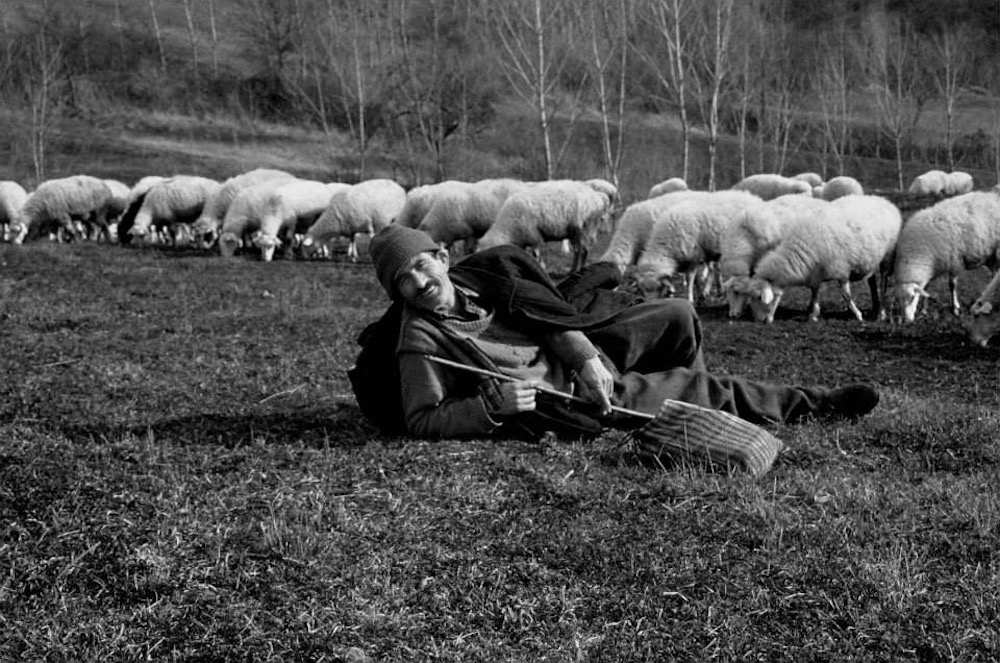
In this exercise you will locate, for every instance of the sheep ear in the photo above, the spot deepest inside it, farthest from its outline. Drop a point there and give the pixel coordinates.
(766, 294)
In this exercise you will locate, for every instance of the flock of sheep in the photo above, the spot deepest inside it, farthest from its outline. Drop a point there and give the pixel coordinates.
(754, 241)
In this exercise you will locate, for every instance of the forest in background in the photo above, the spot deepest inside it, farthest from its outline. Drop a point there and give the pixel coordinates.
(437, 89)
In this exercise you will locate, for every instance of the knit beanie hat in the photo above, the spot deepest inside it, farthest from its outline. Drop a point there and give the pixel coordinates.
(392, 247)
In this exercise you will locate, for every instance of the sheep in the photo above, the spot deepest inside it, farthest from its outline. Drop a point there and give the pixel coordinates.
(56, 205)
(953, 235)
(464, 211)
(171, 203)
(366, 207)
(931, 183)
(772, 185)
(418, 201)
(688, 236)
(838, 187)
(985, 313)
(813, 179)
(288, 209)
(552, 211)
(758, 231)
(957, 183)
(136, 196)
(244, 215)
(852, 241)
(12, 197)
(119, 203)
(635, 224)
(672, 185)
(209, 224)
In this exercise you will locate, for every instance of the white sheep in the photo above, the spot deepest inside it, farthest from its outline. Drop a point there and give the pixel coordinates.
(418, 202)
(758, 231)
(950, 237)
(632, 230)
(170, 203)
(209, 224)
(289, 210)
(12, 198)
(243, 217)
(550, 212)
(59, 204)
(931, 183)
(957, 183)
(985, 312)
(838, 187)
(136, 196)
(465, 211)
(772, 185)
(363, 208)
(688, 236)
(852, 241)
(813, 179)
(672, 185)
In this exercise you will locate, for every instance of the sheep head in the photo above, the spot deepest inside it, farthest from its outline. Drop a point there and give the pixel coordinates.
(737, 291)
(907, 296)
(984, 324)
(763, 297)
(228, 243)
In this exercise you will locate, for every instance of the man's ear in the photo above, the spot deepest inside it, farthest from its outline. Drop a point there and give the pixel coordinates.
(444, 256)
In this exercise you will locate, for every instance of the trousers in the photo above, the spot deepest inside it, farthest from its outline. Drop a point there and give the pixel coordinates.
(654, 350)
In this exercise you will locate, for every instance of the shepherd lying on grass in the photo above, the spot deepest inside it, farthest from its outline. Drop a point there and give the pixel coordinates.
(498, 310)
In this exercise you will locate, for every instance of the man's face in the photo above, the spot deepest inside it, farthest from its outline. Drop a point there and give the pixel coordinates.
(423, 282)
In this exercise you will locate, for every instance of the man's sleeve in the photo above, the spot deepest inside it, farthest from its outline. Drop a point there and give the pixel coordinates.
(432, 412)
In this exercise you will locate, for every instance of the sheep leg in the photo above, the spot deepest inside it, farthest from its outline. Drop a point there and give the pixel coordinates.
(876, 312)
(352, 248)
(956, 308)
(814, 304)
(690, 281)
(845, 292)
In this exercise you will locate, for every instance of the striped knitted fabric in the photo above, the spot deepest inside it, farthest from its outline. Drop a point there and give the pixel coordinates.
(682, 432)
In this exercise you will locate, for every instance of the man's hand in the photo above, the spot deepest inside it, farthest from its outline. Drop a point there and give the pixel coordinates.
(516, 396)
(596, 384)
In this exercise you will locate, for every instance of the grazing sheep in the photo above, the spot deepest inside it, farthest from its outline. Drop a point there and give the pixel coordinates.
(635, 224)
(688, 236)
(813, 179)
(209, 224)
(136, 196)
(119, 203)
(464, 211)
(771, 185)
(931, 183)
(672, 185)
(418, 202)
(366, 207)
(171, 203)
(289, 210)
(853, 241)
(755, 233)
(985, 312)
(12, 197)
(58, 205)
(838, 187)
(957, 183)
(951, 236)
(550, 212)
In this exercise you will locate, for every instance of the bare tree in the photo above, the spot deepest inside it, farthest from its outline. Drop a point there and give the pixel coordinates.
(215, 38)
(607, 25)
(668, 18)
(158, 35)
(193, 36)
(951, 48)
(833, 88)
(713, 68)
(42, 82)
(894, 76)
(528, 32)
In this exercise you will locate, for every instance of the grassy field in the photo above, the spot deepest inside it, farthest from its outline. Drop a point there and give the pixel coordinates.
(184, 475)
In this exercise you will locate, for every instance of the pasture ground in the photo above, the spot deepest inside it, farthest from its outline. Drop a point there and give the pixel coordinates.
(184, 475)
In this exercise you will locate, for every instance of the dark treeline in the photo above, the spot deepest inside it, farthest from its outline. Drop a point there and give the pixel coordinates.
(747, 86)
